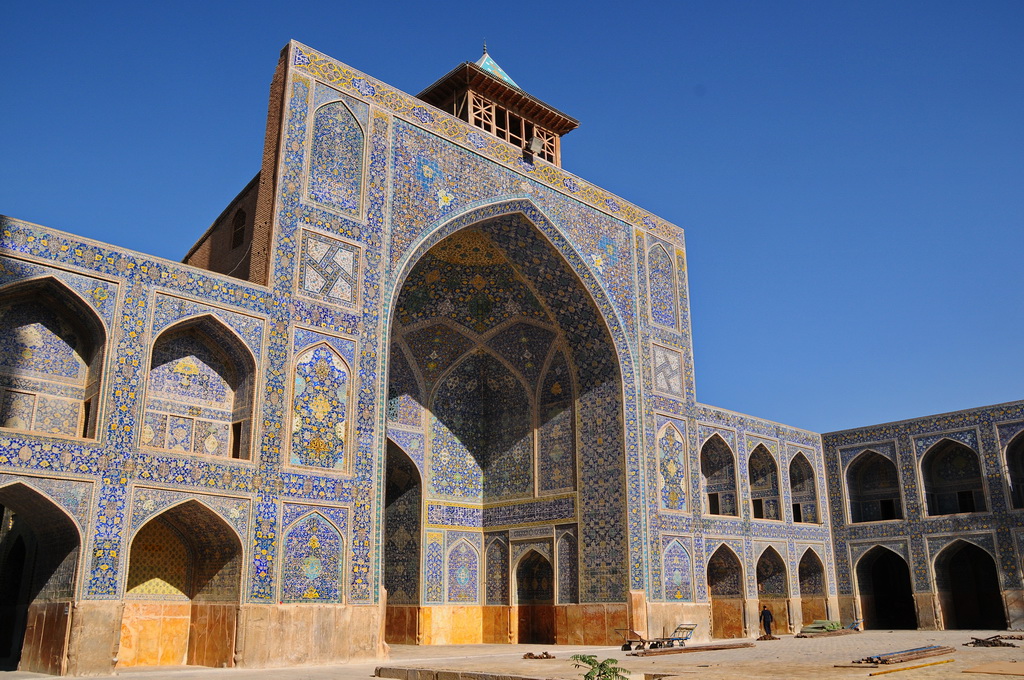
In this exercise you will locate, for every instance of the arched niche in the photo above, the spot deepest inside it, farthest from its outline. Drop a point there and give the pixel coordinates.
(336, 158)
(773, 587)
(718, 468)
(885, 591)
(497, 579)
(313, 563)
(568, 569)
(199, 392)
(803, 490)
(873, 488)
(967, 581)
(182, 591)
(811, 575)
(764, 484)
(672, 468)
(535, 598)
(39, 551)
(463, 574)
(952, 477)
(663, 286)
(320, 405)
(52, 348)
(725, 586)
(677, 574)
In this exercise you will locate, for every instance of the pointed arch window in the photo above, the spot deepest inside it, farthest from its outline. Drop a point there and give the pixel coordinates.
(51, 356)
(718, 467)
(199, 391)
(803, 490)
(764, 484)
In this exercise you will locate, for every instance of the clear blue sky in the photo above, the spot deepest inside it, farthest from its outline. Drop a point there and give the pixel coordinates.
(850, 175)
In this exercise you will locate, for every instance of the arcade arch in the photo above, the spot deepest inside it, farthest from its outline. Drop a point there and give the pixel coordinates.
(773, 587)
(764, 484)
(403, 505)
(51, 358)
(535, 599)
(952, 479)
(199, 391)
(182, 591)
(803, 490)
(1015, 466)
(873, 488)
(718, 468)
(811, 573)
(39, 550)
(725, 586)
(967, 582)
(886, 594)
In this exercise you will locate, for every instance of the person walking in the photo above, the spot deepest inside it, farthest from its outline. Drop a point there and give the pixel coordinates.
(766, 620)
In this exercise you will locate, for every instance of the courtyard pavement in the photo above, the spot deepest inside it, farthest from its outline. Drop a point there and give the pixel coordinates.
(788, 657)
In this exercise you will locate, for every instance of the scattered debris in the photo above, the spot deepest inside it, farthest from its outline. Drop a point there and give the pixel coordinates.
(994, 641)
(821, 626)
(906, 655)
(542, 655)
(827, 633)
(908, 668)
(855, 665)
(685, 650)
(767, 637)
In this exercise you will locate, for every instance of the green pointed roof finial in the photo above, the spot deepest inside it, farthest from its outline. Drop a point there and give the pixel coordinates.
(486, 63)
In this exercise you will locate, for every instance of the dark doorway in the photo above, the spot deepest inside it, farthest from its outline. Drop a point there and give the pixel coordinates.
(968, 586)
(402, 507)
(535, 590)
(13, 605)
(886, 596)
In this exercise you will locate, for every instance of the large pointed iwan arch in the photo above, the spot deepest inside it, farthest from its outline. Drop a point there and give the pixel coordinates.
(597, 351)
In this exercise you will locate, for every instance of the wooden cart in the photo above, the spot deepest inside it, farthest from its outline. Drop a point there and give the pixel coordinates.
(634, 640)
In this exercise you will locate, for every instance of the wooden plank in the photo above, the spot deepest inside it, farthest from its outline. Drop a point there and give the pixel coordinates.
(908, 668)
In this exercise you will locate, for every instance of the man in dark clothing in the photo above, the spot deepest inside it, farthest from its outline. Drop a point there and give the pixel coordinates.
(766, 620)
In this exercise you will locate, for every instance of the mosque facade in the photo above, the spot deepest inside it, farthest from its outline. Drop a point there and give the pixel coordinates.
(419, 385)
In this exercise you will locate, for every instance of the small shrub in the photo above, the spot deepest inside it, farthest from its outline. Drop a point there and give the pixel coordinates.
(599, 670)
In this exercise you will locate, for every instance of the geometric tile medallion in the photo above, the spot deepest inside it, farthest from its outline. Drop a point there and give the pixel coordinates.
(668, 370)
(328, 268)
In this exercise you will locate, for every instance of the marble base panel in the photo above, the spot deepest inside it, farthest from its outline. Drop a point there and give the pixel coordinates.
(779, 607)
(813, 609)
(271, 636)
(154, 634)
(590, 624)
(1014, 601)
(927, 611)
(95, 632)
(663, 617)
(728, 618)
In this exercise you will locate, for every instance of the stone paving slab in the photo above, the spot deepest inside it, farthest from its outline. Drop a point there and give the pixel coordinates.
(788, 658)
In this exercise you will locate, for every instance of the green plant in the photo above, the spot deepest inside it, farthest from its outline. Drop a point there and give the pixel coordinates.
(599, 670)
